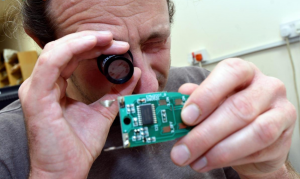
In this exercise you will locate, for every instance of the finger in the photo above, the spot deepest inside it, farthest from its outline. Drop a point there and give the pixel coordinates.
(278, 150)
(117, 90)
(188, 88)
(236, 112)
(61, 86)
(228, 76)
(50, 65)
(116, 47)
(261, 133)
(97, 123)
(103, 38)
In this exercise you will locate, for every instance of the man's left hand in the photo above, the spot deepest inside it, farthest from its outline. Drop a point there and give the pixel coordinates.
(243, 119)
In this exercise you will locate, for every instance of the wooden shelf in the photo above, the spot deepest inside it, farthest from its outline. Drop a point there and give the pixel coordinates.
(2, 67)
(13, 59)
(4, 78)
(15, 69)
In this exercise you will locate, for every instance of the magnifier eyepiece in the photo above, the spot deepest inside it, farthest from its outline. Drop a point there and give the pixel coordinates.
(117, 69)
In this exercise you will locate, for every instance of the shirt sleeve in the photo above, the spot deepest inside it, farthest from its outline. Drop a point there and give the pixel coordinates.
(181, 75)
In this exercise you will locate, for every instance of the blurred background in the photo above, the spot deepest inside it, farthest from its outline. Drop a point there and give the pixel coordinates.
(204, 30)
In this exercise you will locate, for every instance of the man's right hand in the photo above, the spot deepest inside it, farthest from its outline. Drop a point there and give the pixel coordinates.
(66, 136)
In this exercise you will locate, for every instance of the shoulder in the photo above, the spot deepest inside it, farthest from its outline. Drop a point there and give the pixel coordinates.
(180, 75)
(13, 108)
(13, 149)
(11, 119)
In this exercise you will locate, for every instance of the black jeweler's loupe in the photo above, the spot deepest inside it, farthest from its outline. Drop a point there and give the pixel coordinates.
(117, 69)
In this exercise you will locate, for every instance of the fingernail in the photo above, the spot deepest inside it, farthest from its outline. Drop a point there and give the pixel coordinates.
(89, 37)
(120, 43)
(104, 32)
(180, 154)
(190, 114)
(200, 164)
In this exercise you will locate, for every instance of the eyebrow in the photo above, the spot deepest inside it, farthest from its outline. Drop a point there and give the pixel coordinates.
(153, 35)
(156, 35)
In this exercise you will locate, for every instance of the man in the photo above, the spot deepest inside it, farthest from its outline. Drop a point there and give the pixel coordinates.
(242, 117)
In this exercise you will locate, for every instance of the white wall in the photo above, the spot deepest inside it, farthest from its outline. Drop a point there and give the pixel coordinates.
(27, 44)
(20, 42)
(227, 26)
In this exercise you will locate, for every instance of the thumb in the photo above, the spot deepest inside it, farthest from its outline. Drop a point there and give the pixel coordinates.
(188, 88)
(116, 91)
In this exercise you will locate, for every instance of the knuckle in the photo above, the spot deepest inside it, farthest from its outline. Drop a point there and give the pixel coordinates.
(43, 59)
(277, 85)
(291, 112)
(238, 68)
(49, 45)
(20, 92)
(242, 108)
(210, 94)
(23, 88)
(266, 132)
(221, 155)
(256, 155)
(224, 158)
(200, 139)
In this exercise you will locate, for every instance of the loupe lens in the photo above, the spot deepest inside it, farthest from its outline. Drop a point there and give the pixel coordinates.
(117, 69)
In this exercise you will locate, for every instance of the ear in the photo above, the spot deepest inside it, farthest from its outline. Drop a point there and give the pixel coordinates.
(34, 38)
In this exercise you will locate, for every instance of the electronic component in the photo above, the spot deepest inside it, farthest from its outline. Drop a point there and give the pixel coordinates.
(146, 114)
(178, 101)
(162, 102)
(151, 118)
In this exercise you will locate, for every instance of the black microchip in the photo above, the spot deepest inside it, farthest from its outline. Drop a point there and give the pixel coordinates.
(147, 114)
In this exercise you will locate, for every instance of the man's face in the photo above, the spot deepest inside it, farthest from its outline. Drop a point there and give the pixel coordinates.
(143, 24)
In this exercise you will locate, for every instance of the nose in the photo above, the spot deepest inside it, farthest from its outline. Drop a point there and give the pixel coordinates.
(148, 82)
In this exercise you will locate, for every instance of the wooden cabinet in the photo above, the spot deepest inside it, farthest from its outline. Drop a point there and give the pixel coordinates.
(16, 67)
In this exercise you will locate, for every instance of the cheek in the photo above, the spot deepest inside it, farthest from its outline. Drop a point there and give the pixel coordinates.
(154, 67)
(160, 61)
(91, 79)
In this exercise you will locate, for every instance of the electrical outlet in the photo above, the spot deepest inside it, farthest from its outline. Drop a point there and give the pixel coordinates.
(204, 53)
(194, 58)
(290, 29)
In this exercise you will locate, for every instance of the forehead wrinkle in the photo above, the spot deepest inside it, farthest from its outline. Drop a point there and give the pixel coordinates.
(90, 14)
(79, 13)
(123, 11)
(126, 3)
(82, 16)
(63, 9)
(107, 13)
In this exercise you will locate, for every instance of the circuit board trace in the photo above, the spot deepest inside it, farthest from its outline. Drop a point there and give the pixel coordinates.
(151, 118)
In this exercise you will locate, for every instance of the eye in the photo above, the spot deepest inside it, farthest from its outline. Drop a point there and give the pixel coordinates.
(156, 42)
(154, 45)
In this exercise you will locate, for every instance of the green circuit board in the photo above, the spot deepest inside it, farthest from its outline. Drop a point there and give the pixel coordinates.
(151, 118)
